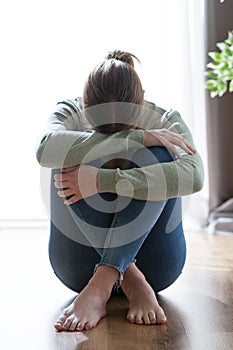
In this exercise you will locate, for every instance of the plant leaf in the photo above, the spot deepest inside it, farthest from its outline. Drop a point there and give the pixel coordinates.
(231, 86)
(226, 49)
(221, 46)
(220, 71)
(222, 92)
(229, 40)
(213, 94)
(222, 87)
(212, 65)
(211, 74)
(230, 35)
(216, 56)
(211, 84)
(223, 66)
(228, 74)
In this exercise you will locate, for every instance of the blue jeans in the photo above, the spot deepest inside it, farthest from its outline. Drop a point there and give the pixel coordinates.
(112, 230)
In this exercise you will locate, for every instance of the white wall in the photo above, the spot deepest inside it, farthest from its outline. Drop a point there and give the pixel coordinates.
(47, 50)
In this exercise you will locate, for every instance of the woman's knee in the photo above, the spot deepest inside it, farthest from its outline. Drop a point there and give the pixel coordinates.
(152, 155)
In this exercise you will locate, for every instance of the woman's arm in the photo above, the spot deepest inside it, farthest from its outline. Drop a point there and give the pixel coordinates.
(154, 182)
(64, 146)
(66, 143)
(159, 181)
(62, 149)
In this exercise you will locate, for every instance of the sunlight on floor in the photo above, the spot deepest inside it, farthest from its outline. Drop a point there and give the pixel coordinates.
(31, 297)
(28, 302)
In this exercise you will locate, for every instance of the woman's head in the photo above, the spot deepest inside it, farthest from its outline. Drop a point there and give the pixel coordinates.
(115, 90)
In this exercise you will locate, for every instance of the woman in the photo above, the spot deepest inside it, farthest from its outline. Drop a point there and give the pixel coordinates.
(115, 204)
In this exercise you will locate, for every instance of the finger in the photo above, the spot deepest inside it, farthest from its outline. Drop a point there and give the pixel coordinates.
(57, 177)
(176, 152)
(178, 140)
(187, 148)
(172, 148)
(65, 193)
(172, 139)
(63, 176)
(169, 146)
(189, 145)
(191, 149)
(179, 137)
(72, 200)
(61, 184)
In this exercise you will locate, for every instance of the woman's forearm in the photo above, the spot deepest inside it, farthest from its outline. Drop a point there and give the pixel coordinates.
(61, 149)
(155, 182)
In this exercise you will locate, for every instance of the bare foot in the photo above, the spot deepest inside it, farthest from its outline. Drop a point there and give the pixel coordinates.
(90, 305)
(85, 311)
(143, 305)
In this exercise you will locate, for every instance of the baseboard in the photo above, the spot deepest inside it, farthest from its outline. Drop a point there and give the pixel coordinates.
(222, 226)
(24, 223)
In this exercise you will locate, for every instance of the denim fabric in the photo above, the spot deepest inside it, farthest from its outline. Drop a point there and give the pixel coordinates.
(85, 235)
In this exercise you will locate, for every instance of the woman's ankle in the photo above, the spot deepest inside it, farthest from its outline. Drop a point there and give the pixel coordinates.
(132, 277)
(133, 273)
(104, 279)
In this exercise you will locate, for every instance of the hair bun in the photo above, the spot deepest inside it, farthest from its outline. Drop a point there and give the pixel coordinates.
(122, 56)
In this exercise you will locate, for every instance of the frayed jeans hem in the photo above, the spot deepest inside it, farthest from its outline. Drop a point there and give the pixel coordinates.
(121, 272)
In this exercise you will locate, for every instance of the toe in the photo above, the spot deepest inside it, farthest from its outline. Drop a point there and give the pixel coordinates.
(152, 317)
(161, 318)
(139, 319)
(59, 322)
(58, 326)
(73, 325)
(131, 317)
(91, 324)
(146, 319)
(68, 323)
(88, 326)
(80, 326)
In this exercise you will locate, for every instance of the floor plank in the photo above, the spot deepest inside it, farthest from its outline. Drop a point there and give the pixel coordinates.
(199, 305)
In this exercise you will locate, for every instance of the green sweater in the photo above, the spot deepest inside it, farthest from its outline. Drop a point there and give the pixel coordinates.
(69, 140)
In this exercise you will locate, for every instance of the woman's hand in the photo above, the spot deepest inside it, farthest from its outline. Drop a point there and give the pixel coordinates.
(78, 182)
(168, 139)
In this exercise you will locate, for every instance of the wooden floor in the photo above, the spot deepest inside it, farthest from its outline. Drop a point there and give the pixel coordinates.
(199, 306)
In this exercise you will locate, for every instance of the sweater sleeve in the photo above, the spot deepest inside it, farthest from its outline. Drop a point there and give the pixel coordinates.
(65, 142)
(162, 180)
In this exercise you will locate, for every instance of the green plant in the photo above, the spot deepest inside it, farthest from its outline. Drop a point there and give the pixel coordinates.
(221, 68)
